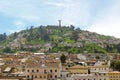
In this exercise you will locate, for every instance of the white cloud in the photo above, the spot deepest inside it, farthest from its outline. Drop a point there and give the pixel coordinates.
(70, 11)
(19, 25)
(73, 12)
(26, 10)
(31, 18)
(108, 21)
(56, 4)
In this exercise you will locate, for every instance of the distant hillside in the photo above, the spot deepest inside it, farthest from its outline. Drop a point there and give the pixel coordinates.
(53, 38)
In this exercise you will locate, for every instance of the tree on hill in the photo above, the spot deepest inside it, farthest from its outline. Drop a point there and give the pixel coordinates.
(7, 50)
(3, 36)
(15, 34)
(72, 27)
(75, 35)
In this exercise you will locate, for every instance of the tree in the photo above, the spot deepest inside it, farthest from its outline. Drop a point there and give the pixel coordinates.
(118, 47)
(72, 27)
(40, 30)
(3, 36)
(15, 34)
(31, 30)
(115, 65)
(7, 50)
(97, 57)
(63, 59)
(75, 35)
(78, 29)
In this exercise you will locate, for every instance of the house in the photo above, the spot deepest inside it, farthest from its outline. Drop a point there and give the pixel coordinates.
(115, 75)
(99, 71)
(84, 77)
(78, 69)
(44, 70)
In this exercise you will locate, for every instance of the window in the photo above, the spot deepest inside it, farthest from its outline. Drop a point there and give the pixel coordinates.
(67, 75)
(50, 70)
(55, 76)
(28, 70)
(45, 71)
(40, 76)
(61, 75)
(55, 70)
(44, 76)
(35, 76)
(27, 76)
(37, 70)
(32, 70)
(32, 76)
(50, 76)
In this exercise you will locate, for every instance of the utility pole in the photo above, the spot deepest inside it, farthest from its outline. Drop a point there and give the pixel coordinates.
(59, 23)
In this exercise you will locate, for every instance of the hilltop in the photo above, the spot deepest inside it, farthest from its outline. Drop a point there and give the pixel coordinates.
(52, 38)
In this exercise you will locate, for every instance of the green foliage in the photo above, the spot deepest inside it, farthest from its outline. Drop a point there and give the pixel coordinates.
(3, 37)
(90, 48)
(28, 49)
(94, 48)
(97, 57)
(118, 47)
(112, 48)
(63, 36)
(75, 35)
(7, 50)
(73, 50)
(115, 65)
(69, 41)
(104, 37)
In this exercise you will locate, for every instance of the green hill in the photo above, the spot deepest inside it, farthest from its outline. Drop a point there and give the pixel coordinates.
(53, 38)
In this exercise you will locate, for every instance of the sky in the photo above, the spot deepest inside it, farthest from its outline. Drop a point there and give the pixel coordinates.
(101, 16)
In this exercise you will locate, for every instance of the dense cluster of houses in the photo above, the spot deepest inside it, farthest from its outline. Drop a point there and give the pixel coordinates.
(41, 66)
